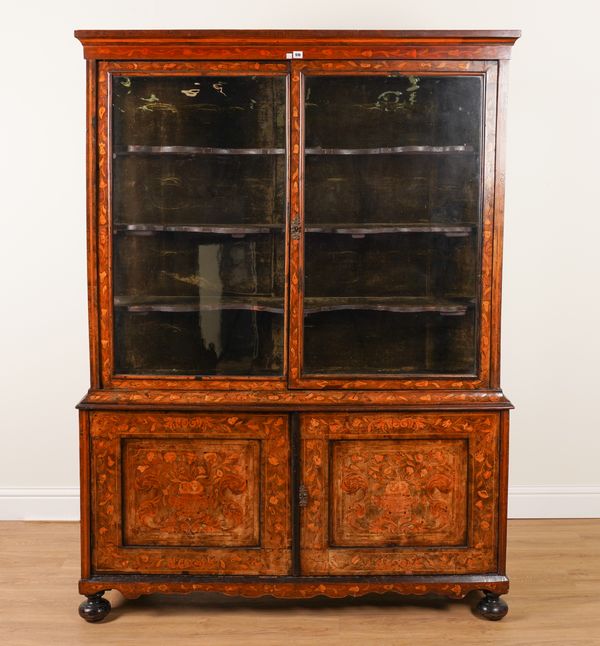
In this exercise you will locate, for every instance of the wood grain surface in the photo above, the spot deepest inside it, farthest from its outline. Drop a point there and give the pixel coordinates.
(555, 585)
(390, 492)
(294, 399)
(274, 45)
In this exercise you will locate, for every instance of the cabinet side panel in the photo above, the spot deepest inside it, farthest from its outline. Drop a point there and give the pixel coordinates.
(498, 221)
(91, 220)
(84, 492)
(503, 491)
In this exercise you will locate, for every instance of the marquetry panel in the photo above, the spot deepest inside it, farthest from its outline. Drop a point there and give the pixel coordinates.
(192, 492)
(400, 494)
(205, 494)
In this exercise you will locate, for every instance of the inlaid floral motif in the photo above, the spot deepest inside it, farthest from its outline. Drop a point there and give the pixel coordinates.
(192, 492)
(165, 443)
(297, 399)
(399, 492)
(337, 539)
(302, 588)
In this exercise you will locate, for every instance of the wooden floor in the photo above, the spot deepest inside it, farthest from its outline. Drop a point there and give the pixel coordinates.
(554, 567)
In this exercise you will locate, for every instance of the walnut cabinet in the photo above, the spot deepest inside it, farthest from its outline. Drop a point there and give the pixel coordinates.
(294, 269)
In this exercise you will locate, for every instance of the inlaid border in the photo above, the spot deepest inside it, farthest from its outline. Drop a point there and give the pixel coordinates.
(454, 587)
(110, 555)
(104, 259)
(314, 44)
(490, 219)
(481, 431)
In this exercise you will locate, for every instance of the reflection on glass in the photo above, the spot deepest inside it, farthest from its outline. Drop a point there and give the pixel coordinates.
(198, 220)
(392, 224)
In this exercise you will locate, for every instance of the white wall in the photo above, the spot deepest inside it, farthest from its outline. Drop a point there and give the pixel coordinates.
(551, 312)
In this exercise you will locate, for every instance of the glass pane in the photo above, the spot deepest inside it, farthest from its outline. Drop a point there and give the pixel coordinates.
(392, 224)
(198, 201)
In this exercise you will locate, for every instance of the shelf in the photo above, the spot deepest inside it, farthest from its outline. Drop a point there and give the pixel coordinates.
(204, 150)
(195, 150)
(363, 229)
(220, 229)
(396, 150)
(176, 304)
(312, 305)
(406, 305)
(355, 230)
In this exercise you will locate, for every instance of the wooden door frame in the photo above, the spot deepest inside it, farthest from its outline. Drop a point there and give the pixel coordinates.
(103, 500)
(100, 245)
(485, 509)
(491, 219)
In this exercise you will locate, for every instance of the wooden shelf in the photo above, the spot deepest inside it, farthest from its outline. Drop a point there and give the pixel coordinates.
(177, 304)
(400, 304)
(205, 150)
(361, 230)
(312, 305)
(355, 230)
(236, 230)
(395, 150)
(194, 150)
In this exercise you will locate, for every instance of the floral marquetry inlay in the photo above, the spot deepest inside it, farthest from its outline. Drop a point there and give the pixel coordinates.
(384, 489)
(192, 492)
(165, 485)
(401, 492)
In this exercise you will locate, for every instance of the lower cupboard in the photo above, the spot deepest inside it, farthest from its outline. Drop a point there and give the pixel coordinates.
(292, 496)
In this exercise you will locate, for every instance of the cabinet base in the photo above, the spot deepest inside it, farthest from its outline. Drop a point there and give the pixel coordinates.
(455, 587)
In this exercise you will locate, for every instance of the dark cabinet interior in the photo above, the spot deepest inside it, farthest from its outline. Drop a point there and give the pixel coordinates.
(199, 192)
(392, 213)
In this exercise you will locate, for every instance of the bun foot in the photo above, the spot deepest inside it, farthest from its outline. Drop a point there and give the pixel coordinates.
(492, 607)
(95, 608)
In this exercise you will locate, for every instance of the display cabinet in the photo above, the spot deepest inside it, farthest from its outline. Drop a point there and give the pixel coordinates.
(294, 270)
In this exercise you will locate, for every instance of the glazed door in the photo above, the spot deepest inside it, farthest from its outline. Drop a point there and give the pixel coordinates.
(392, 214)
(390, 494)
(193, 213)
(198, 494)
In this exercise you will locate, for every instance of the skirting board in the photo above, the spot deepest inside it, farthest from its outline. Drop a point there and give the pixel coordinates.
(41, 503)
(554, 501)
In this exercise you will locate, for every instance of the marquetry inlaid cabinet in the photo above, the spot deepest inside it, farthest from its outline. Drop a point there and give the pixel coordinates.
(294, 268)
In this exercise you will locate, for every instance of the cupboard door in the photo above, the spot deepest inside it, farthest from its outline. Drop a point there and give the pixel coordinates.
(393, 273)
(202, 494)
(399, 494)
(194, 193)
